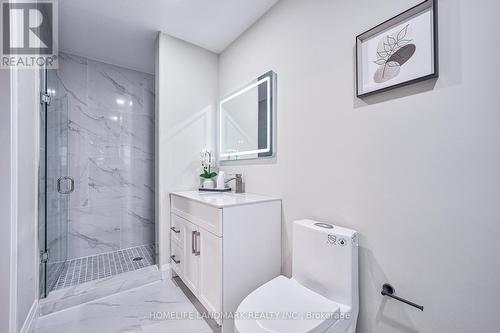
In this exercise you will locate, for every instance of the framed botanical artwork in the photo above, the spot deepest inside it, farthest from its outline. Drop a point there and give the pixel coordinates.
(401, 51)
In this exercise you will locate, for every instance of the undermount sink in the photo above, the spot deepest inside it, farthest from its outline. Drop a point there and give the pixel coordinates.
(224, 199)
(232, 194)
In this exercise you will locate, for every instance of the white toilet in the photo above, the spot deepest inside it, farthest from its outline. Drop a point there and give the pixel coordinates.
(321, 296)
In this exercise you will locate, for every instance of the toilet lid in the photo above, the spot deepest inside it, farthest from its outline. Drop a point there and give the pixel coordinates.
(284, 305)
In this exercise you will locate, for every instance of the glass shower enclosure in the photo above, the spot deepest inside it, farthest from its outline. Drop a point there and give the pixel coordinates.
(97, 126)
(55, 183)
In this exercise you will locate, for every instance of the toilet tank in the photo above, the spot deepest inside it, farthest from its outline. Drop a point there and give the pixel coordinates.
(325, 260)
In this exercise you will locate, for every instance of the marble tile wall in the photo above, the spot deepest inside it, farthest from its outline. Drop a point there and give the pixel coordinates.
(111, 155)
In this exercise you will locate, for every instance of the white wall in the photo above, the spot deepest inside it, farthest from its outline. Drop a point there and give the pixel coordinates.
(186, 92)
(415, 171)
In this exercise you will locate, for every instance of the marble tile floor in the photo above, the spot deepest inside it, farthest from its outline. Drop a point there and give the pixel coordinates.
(141, 309)
(81, 270)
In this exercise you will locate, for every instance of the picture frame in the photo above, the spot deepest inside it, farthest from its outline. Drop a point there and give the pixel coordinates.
(398, 52)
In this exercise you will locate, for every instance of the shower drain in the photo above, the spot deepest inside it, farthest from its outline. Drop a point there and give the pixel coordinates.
(137, 258)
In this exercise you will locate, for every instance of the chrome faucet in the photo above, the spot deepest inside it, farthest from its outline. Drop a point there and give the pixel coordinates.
(238, 179)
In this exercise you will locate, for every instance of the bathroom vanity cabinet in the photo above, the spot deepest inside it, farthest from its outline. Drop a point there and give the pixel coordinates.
(224, 245)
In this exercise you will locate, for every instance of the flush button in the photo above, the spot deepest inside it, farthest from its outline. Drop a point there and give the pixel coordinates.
(324, 225)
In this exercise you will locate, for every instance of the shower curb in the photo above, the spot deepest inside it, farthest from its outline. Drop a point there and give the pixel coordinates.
(62, 299)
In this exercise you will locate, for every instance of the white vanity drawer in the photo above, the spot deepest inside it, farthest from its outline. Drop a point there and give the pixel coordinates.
(209, 218)
(177, 229)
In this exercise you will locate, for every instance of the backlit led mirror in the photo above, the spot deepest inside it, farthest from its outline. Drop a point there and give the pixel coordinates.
(246, 119)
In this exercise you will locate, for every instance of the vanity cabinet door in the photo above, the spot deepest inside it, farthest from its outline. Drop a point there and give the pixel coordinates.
(190, 274)
(210, 248)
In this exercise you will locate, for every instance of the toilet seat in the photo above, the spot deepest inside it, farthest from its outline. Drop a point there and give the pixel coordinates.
(283, 305)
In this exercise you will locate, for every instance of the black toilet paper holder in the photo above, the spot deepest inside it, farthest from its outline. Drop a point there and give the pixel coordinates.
(388, 290)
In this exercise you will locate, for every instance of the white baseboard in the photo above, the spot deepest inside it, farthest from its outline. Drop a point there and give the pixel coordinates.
(165, 271)
(30, 319)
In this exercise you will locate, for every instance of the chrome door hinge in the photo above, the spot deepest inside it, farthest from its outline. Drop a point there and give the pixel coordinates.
(44, 256)
(45, 98)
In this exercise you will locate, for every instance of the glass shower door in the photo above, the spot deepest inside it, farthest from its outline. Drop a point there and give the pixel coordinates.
(55, 181)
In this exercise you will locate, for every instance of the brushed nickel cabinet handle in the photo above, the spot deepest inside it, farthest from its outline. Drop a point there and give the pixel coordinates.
(193, 240)
(176, 261)
(197, 239)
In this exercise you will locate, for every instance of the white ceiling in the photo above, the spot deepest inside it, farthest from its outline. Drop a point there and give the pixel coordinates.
(123, 32)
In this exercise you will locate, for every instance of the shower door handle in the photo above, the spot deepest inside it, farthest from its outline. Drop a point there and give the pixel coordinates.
(71, 185)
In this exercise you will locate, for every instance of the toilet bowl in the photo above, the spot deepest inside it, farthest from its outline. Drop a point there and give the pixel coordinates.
(321, 296)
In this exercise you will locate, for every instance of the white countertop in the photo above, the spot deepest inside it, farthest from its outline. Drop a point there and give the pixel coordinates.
(225, 199)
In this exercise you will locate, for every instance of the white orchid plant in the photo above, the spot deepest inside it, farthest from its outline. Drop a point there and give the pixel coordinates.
(206, 164)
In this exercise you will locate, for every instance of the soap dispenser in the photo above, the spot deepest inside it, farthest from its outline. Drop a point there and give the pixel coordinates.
(221, 180)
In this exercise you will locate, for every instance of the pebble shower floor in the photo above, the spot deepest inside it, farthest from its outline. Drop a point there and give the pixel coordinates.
(81, 270)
